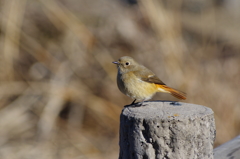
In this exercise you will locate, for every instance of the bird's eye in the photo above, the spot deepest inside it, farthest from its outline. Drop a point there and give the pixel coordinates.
(127, 63)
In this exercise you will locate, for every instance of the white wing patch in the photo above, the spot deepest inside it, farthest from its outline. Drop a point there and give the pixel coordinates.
(149, 76)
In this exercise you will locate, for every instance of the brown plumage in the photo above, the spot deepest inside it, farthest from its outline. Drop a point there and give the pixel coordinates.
(139, 83)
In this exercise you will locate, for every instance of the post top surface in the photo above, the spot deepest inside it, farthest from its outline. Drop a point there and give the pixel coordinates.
(167, 109)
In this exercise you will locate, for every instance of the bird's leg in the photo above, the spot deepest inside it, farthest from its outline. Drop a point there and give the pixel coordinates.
(139, 104)
(133, 102)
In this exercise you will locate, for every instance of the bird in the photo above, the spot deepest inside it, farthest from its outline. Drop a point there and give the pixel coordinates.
(139, 83)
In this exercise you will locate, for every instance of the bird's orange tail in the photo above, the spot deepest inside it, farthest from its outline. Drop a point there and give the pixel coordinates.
(173, 92)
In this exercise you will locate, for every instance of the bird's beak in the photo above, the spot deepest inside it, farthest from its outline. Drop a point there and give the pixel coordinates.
(115, 62)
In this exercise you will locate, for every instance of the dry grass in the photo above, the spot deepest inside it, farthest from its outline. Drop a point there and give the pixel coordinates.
(58, 95)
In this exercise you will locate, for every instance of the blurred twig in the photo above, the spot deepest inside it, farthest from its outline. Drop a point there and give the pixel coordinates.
(56, 10)
(14, 12)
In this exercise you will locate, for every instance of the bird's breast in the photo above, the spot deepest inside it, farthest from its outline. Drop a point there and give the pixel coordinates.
(134, 87)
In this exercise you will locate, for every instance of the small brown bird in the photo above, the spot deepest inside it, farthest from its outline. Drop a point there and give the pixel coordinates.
(139, 83)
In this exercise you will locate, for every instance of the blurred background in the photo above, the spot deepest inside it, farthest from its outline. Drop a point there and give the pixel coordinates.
(58, 94)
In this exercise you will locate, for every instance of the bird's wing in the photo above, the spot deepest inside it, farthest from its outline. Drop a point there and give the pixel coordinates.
(148, 76)
(152, 79)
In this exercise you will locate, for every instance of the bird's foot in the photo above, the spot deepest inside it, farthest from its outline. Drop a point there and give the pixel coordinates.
(133, 104)
(139, 104)
(175, 103)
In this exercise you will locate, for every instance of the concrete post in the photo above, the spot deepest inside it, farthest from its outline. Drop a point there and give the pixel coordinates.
(167, 130)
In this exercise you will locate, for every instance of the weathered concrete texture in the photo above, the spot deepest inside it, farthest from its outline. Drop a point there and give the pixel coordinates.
(163, 130)
(229, 150)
